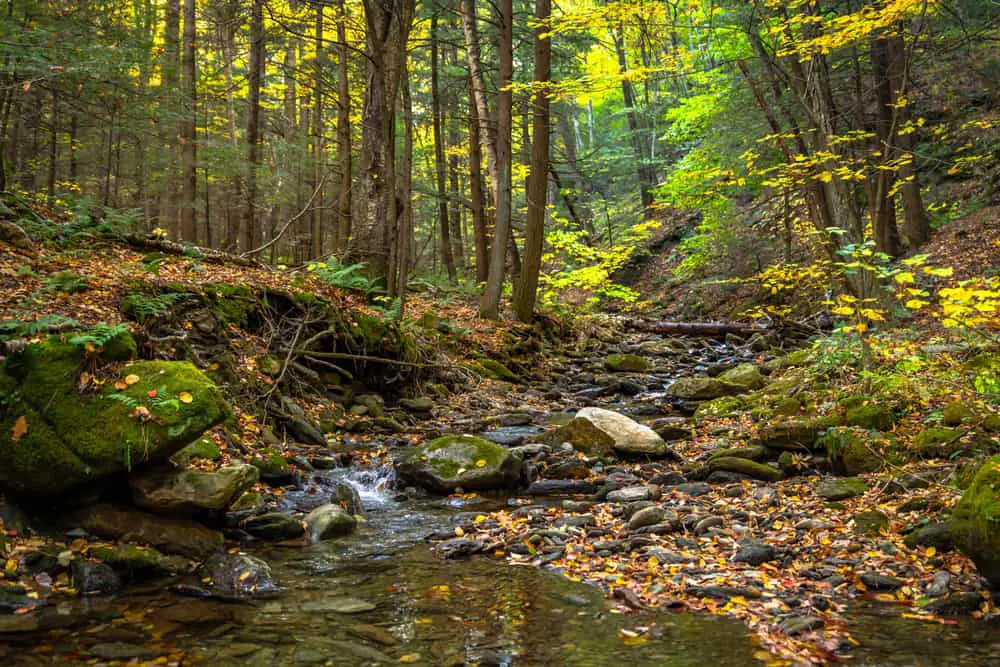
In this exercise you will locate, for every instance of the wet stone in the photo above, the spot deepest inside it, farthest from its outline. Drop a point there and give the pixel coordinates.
(755, 553)
(881, 582)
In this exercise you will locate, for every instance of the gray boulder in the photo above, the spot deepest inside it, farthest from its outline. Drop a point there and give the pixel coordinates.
(329, 521)
(187, 492)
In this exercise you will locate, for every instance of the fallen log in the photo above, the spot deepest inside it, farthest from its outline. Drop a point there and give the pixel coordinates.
(697, 329)
(146, 242)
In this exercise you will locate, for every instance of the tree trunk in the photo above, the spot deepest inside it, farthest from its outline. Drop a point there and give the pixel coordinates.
(524, 297)
(478, 92)
(53, 144)
(916, 224)
(189, 230)
(476, 194)
(883, 206)
(647, 179)
(404, 197)
(388, 24)
(494, 285)
(439, 163)
(318, 130)
(171, 78)
(343, 134)
(248, 223)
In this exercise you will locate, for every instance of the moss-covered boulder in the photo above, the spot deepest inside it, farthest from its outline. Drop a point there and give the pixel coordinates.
(53, 438)
(329, 521)
(460, 461)
(873, 417)
(248, 501)
(851, 451)
(752, 452)
(870, 522)
(841, 489)
(273, 467)
(724, 406)
(747, 376)
(135, 560)
(935, 443)
(957, 412)
(626, 363)
(795, 434)
(701, 389)
(582, 434)
(790, 360)
(975, 523)
(752, 469)
(497, 371)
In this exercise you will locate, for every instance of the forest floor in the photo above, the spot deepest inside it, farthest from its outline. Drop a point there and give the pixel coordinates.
(787, 555)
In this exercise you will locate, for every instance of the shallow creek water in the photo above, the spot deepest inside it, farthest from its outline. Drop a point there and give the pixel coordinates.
(381, 596)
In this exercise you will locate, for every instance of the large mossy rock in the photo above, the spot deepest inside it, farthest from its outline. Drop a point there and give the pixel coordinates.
(795, 434)
(747, 376)
(852, 451)
(724, 406)
(742, 466)
(172, 536)
(460, 461)
(975, 523)
(191, 492)
(53, 438)
(935, 443)
(595, 431)
(329, 521)
(626, 363)
(701, 389)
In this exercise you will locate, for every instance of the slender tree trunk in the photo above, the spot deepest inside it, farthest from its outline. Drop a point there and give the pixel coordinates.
(248, 232)
(527, 288)
(343, 134)
(318, 130)
(479, 230)
(884, 207)
(470, 30)
(457, 243)
(171, 84)
(647, 179)
(53, 144)
(916, 224)
(189, 230)
(439, 163)
(494, 286)
(404, 198)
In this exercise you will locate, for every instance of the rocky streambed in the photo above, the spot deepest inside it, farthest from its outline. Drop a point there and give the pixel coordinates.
(577, 516)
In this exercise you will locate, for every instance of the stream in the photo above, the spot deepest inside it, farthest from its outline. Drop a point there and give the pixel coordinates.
(381, 596)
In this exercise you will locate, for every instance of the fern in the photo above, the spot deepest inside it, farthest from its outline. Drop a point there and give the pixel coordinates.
(161, 401)
(125, 400)
(99, 335)
(144, 307)
(10, 329)
(345, 277)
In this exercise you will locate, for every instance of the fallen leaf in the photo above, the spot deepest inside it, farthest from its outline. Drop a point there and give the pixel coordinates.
(481, 463)
(185, 397)
(151, 393)
(409, 657)
(20, 429)
(131, 379)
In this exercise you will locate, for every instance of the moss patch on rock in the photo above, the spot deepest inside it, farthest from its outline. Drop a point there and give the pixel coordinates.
(626, 363)
(66, 439)
(460, 461)
(975, 523)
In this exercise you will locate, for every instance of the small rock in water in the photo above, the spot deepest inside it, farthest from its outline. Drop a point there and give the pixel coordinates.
(459, 547)
(329, 521)
(123, 651)
(350, 499)
(797, 625)
(240, 575)
(274, 526)
(342, 605)
(95, 578)
(939, 585)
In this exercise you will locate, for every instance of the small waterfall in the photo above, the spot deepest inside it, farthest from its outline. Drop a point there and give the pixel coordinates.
(374, 485)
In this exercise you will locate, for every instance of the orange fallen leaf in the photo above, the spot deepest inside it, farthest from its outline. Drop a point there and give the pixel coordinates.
(20, 429)
(131, 379)
(185, 397)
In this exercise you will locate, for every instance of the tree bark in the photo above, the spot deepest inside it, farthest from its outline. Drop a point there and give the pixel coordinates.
(478, 92)
(494, 286)
(647, 180)
(171, 80)
(189, 174)
(248, 223)
(527, 289)
(318, 130)
(479, 230)
(447, 260)
(343, 134)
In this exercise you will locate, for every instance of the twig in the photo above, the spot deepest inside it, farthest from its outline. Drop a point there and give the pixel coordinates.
(281, 232)
(365, 357)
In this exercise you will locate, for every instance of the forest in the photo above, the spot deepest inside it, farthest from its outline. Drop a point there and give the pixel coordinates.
(339, 309)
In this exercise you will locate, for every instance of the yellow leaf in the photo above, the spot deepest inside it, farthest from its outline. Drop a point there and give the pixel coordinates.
(89, 347)
(944, 272)
(409, 657)
(904, 278)
(846, 311)
(481, 463)
(131, 379)
(245, 575)
(459, 531)
(185, 397)
(929, 553)
(20, 429)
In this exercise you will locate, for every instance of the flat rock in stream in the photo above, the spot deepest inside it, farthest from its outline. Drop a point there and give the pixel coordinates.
(240, 575)
(596, 431)
(561, 487)
(188, 492)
